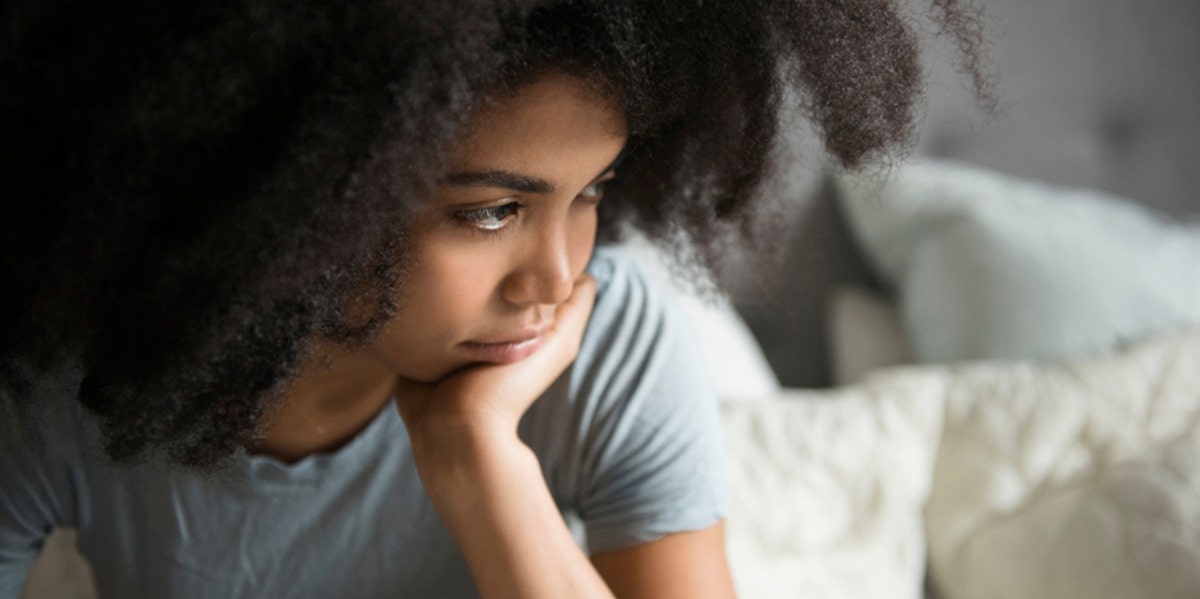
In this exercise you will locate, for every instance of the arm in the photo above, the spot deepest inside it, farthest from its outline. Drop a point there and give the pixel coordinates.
(490, 493)
(489, 490)
(683, 565)
(31, 485)
(485, 483)
(492, 497)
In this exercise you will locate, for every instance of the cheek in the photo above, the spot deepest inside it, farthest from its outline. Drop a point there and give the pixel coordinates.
(450, 284)
(444, 294)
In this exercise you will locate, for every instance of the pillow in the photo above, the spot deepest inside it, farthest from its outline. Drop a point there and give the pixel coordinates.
(735, 361)
(865, 334)
(1072, 481)
(828, 488)
(990, 266)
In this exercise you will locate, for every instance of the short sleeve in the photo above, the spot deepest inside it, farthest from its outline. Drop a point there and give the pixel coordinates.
(35, 493)
(652, 456)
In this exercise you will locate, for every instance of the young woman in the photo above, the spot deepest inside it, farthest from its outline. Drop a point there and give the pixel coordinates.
(304, 300)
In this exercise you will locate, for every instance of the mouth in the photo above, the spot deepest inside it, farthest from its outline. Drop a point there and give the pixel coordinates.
(507, 348)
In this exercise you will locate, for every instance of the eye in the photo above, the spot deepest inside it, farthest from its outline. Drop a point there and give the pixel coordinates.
(593, 192)
(492, 218)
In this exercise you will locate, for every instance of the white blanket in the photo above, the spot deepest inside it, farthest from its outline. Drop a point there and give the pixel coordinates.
(1056, 481)
(1073, 481)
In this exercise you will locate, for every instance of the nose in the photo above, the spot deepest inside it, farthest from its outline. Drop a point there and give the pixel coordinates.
(543, 274)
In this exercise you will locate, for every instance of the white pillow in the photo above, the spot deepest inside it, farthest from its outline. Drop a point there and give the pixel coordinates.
(865, 333)
(736, 363)
(1072, 481)
(828, 489)
(989, 266)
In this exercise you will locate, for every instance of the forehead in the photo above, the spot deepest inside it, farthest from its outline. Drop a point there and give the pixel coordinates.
(555, 115)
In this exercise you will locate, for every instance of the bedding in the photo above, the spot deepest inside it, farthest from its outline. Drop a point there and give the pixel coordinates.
(1068, 480)
(1071, 481)
(988, 266)
(828, 489)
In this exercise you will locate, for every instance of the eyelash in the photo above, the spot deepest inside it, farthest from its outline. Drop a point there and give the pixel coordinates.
(474, 219)
(596, 195)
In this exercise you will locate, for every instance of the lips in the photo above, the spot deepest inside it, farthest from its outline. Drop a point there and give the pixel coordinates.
(522, 335)
(507, 347)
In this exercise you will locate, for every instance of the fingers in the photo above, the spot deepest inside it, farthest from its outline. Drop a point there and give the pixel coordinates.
(572, 316)
(570, 321)
(507, 388)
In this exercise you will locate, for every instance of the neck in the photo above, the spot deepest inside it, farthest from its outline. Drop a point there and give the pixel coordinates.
(333, 398)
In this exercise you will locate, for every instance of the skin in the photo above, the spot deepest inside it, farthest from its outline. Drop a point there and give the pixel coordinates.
(502, 247)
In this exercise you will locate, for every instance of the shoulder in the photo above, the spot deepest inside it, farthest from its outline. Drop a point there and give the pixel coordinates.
(633, 310)
(638, 355)
(40, 462)
(51, 425)
(618, 276)
(638, 337)
(629, 436)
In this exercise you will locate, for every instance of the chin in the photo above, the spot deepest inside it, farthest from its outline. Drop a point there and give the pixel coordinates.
(432, 374)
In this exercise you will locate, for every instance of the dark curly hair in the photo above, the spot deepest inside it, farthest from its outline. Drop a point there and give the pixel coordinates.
(194, 194)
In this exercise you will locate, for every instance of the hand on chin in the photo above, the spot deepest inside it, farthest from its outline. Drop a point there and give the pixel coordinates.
(490, 397)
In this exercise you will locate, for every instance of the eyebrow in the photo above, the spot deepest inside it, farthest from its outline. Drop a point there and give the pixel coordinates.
(498, 178)
(510, 180)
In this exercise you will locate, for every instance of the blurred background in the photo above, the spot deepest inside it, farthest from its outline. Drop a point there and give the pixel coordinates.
(1096, 94)
(980, 371)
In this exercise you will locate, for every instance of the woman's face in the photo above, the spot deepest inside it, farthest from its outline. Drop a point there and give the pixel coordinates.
(507, 231)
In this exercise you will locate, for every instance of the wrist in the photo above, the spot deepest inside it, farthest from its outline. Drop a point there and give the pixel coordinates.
(489, 490)
(453, 457)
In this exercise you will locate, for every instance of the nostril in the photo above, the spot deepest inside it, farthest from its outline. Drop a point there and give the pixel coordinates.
(541, 284)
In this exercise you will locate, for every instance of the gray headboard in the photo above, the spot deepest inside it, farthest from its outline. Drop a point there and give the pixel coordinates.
(1096, 93)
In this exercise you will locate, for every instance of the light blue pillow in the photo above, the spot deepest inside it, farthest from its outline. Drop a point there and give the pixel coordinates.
(988, 266)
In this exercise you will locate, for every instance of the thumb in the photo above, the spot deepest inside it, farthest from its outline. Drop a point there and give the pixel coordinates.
(570, 321)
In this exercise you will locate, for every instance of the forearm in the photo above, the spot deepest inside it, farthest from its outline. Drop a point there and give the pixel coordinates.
(489, 491)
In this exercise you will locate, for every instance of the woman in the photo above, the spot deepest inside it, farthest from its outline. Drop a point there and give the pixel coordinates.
(305, 299)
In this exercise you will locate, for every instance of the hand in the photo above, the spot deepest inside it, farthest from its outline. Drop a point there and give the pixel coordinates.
(486, 485)
(491, 398)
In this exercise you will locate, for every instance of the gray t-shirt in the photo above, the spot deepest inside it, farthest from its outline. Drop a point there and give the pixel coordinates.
(628, 439)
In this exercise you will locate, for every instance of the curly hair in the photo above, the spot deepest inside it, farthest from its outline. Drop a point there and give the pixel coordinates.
(194, 194)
